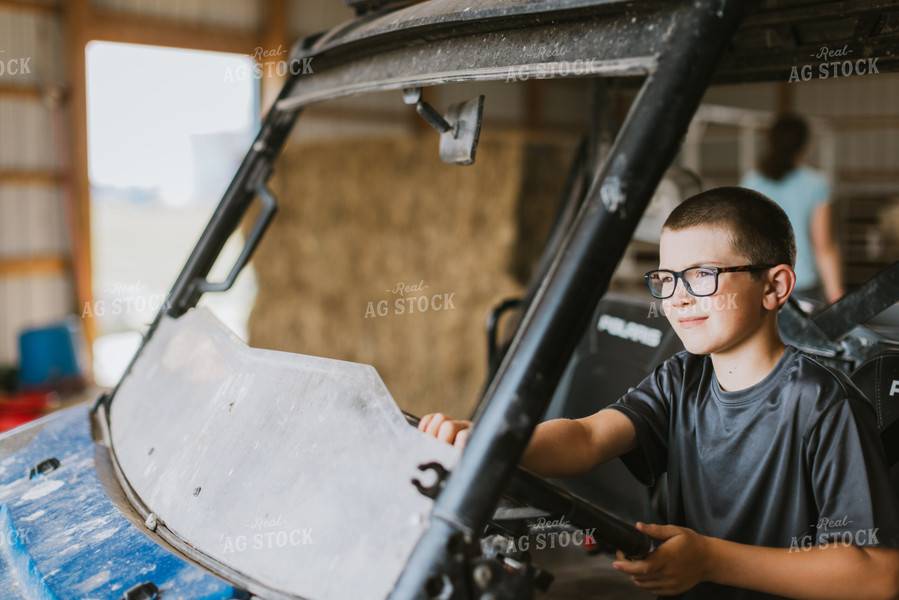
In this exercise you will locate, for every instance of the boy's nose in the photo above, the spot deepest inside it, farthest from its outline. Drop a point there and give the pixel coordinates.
(681, 296)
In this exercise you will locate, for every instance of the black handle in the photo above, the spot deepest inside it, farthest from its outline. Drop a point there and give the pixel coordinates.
(269, 208)
(533, 490)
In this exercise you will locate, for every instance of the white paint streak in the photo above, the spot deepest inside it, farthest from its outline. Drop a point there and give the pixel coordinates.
(43, 488)
(611, 194)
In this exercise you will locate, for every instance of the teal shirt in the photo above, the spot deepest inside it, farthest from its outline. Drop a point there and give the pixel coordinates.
(799, 193)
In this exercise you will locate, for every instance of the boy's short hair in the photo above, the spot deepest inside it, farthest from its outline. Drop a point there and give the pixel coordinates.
(758, 228)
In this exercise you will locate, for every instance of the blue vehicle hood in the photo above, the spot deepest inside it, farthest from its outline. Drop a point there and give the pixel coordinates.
(63, 537)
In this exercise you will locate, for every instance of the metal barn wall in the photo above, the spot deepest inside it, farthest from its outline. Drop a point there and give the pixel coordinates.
(36, 280)
(863, 114)
(866, 112)
(31, 194)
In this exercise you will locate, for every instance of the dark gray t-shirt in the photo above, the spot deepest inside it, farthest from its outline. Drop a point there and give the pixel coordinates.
(791, 462)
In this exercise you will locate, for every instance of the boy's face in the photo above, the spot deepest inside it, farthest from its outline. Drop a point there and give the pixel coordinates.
(725, 320)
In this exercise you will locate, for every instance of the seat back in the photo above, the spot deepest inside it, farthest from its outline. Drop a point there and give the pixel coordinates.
(878, 379)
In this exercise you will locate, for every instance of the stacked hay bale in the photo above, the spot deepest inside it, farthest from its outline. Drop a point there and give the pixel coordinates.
(382, 254)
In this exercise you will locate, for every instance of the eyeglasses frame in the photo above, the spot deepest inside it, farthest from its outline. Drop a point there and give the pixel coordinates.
(718, 271)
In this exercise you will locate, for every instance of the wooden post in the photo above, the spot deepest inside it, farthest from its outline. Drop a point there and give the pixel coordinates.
(77, 186)
(276, 40)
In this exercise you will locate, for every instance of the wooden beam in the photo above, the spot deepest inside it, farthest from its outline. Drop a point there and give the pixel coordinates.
(109, 26)
(864, 122)
(868, 175)
(845, 175)
(276, 40)
(32, 6)
(783, 98)
(78, 193)
(30, 177)
(46, 264)
(28, 92)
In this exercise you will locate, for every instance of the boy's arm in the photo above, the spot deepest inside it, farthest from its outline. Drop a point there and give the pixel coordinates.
(686, 558)
(558, 448)
(568, 447)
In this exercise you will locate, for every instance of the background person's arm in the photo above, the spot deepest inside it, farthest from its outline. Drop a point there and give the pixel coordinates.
(825, 248)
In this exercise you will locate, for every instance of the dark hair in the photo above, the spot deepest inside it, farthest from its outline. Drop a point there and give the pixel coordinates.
(786, 140)
(758, 228)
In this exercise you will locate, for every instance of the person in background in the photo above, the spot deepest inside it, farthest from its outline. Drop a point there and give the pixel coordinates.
(804, 194)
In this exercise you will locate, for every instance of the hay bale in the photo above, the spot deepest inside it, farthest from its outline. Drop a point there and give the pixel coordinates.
(360, 217)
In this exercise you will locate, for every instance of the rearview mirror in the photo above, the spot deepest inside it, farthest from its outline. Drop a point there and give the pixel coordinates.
(458, 145)
(459, 131)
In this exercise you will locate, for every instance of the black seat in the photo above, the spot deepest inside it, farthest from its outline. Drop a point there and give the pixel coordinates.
(878, 379)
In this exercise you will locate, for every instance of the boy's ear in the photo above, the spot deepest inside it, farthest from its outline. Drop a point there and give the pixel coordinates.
(781, 281)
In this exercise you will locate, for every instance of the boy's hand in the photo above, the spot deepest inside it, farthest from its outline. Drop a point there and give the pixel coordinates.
(677, 565)
(443, 428)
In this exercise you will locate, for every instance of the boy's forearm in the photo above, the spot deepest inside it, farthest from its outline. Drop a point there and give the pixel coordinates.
(557, 449)
(568, 447)
(816, 573)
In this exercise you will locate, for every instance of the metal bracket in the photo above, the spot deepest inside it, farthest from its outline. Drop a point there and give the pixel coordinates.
(433, 490)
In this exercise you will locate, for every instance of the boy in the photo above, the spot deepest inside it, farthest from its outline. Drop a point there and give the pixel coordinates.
(777, 477)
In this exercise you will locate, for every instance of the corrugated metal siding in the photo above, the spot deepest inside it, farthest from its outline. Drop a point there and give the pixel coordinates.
(869, 142)
(26, 141)
(35, 35)
(862, 95)
(31, 214)
(33, 221)
(238, 14)
(865, 110)
(28, 301)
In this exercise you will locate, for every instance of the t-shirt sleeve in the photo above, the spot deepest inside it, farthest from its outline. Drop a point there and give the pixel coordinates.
(648, 406)
(856, 499)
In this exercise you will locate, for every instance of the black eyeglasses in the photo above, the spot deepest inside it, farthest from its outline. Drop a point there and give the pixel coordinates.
(700, 281)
